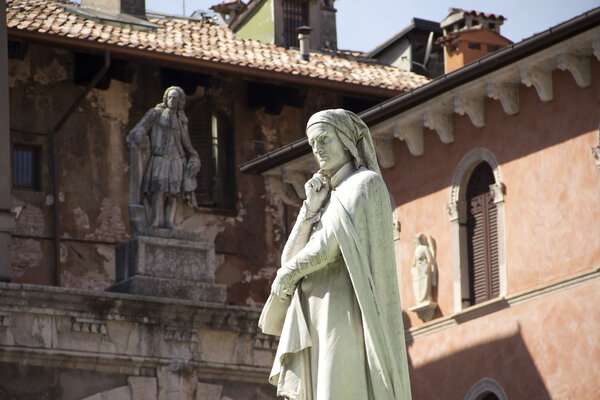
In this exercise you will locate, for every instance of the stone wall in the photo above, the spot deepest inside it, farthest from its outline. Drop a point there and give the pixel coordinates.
(93, 167)
(68, 344)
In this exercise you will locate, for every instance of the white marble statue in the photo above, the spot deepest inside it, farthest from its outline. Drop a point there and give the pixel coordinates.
(169, 172)
(424, 269)
(335, 300)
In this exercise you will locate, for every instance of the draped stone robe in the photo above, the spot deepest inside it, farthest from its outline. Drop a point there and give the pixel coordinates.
(343, 336)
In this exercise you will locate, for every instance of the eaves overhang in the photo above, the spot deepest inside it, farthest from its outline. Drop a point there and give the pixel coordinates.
(382, 118)
(195, 64)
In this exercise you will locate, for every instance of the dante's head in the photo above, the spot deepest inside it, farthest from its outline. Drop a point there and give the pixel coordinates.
(330, 152)
(348, 129)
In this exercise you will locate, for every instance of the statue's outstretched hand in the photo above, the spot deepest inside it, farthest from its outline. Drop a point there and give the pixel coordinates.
(317, 192)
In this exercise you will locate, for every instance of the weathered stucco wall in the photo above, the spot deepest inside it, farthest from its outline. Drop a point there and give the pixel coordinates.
(534, 350)
(552, 201)
(93, 164)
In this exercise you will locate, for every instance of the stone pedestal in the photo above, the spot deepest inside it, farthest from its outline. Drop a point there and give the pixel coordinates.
(424, 310)
(168, 263)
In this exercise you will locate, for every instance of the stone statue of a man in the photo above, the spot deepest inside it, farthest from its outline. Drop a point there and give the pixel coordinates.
(424, 269)
(335, 300)
(169, 175)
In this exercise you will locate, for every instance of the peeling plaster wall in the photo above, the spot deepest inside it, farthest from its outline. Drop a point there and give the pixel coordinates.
(94, 175)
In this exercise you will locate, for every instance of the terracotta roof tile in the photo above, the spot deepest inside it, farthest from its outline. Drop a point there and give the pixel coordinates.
(206, 41)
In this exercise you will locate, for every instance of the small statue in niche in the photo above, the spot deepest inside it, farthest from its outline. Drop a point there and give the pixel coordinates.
(168, 173)
(424, 269)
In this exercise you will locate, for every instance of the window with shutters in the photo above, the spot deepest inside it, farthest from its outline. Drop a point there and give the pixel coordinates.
(210, 136)
(295, 15)
(482, 236)
(476, 211)
(26, 167)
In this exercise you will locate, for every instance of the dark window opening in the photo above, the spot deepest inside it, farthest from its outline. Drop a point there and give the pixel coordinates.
(492, 26)
(26, 167)
(482, 234)
(489, 396)
(186, 80)
(210, 136)
(86, 66)
(16, 50)
(357, 105)
(475, 45)
(274, 97)
(295, 15)
(475, 22)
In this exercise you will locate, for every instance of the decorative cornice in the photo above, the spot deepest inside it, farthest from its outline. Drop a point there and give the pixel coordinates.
(507, 94)
(540, 79)
(88, 325)
(579, 66)
(535, 70)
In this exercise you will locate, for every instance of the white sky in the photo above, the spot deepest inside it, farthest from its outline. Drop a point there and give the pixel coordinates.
(362, 25)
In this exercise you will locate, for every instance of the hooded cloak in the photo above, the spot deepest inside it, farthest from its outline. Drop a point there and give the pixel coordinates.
(336, 334)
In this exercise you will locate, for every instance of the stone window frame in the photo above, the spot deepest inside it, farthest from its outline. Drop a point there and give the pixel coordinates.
(484, 387)
(457, 210)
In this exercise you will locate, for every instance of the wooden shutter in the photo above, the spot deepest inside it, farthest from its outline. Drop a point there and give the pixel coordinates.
(482, 236)
(199, 127)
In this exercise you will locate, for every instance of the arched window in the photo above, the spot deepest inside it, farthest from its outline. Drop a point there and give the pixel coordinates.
(476, 211)
(482, 236)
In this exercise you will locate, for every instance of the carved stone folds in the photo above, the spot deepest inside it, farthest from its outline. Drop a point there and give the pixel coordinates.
(412, 134)
(473, 107)
(440, 122)
(541, 80)
(580, 68)
(507, 94)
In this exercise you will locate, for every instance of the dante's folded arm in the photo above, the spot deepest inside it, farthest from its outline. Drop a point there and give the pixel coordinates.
(321, 249)
(300, 234)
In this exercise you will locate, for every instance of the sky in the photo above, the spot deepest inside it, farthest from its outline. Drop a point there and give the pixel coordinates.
(362, 25)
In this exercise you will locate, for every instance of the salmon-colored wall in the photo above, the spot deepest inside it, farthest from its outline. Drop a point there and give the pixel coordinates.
(534, 350)
(552, 201)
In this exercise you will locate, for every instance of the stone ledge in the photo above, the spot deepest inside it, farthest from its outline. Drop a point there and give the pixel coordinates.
(139, 366)
(172, 288)
(125, 307)
(500, 303)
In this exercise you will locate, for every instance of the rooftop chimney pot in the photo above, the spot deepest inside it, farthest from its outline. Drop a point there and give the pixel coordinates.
(304, 40)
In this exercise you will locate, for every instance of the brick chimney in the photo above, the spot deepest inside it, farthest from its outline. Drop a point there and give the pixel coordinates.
(132, 7)
(470, 35)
